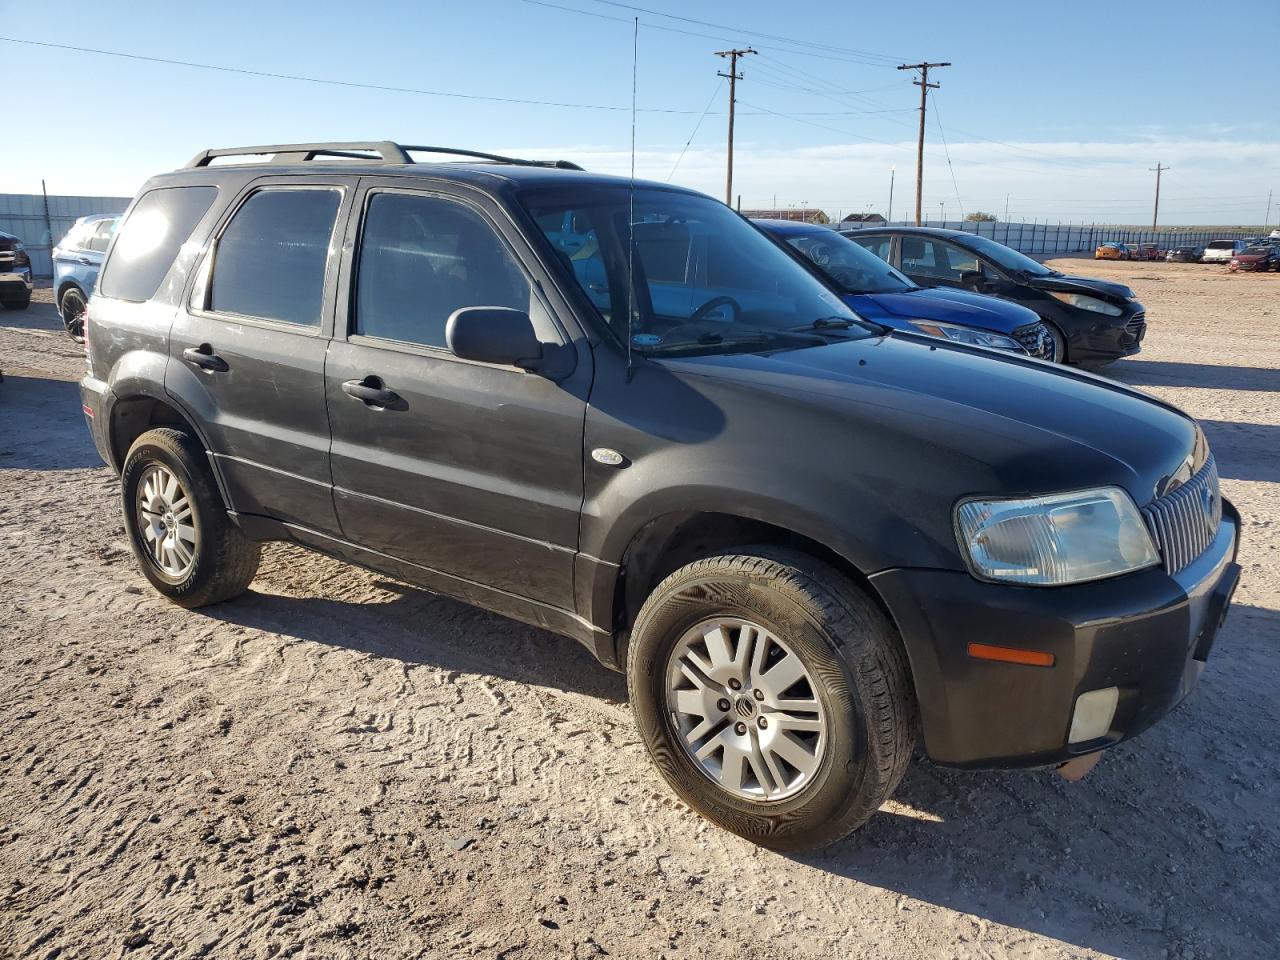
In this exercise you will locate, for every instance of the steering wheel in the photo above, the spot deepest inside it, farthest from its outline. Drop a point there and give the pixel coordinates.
(713, 303)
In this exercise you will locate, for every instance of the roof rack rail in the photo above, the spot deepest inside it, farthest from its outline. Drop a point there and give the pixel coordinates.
(386, 150)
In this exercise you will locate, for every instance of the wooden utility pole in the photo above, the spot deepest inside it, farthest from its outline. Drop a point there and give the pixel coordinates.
(925, 86)
(733, 76)
(1155, 214)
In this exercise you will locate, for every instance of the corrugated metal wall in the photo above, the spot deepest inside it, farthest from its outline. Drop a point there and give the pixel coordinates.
(23, 215)
(1042, 237)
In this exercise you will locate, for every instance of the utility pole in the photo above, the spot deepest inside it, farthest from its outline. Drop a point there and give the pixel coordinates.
(893, 172)
(1155, 214)
(733, 76)
(1267, 219)
(925, 86)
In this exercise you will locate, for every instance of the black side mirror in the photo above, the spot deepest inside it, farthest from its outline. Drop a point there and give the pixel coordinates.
(494, 335)
(973, 279)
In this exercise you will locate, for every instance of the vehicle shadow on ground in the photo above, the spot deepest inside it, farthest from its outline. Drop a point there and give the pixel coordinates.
(1109, 863)
(1245, 451)
(409, 627)
(1163, 373)
(63, 442)
(38, 316)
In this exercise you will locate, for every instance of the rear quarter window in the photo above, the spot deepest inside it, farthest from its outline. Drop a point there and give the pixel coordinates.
(149, 238)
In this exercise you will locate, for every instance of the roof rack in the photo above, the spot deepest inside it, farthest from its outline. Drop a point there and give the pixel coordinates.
(386, 151)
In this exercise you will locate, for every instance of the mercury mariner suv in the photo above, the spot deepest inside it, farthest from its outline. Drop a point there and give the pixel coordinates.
(619, 412)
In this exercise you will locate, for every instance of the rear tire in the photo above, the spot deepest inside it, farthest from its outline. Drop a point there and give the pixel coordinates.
(850, 719)
(178, 527)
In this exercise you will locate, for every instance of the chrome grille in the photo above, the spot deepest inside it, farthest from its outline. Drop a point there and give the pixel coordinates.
(1185, 521)
(1035, 339)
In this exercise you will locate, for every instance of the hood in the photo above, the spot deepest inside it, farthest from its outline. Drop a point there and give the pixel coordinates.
(999, 424)
(1087, 285)
(960, 307)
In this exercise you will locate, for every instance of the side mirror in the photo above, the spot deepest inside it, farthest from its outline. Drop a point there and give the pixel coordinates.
(493, 335)
(973, 280)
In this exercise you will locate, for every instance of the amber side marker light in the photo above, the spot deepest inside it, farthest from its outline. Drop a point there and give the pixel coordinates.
(1030, 658)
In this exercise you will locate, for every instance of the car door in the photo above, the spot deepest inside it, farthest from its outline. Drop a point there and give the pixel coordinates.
(247, 352)
(468, 469)
(931, 262)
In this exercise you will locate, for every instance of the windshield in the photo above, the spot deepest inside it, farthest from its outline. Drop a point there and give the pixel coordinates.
(705, 281)
(1008, 258)
(850, 267)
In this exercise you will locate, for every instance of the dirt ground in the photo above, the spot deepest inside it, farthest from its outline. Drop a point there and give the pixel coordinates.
(336, 765)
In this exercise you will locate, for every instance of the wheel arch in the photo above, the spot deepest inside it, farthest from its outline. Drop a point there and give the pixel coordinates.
(132, 415)
(675, 539)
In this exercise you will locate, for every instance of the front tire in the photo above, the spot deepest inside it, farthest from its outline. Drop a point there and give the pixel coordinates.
(773, 696)
(178, 528)
(71, 307)
(1059, 343)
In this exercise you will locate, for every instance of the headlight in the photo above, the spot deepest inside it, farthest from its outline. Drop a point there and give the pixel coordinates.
(978, 338)
(1056, 539)
(1092, 304)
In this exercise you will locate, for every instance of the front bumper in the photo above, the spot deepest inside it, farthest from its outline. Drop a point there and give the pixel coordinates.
(15, 283)
(1097, 338)
(1148, 633)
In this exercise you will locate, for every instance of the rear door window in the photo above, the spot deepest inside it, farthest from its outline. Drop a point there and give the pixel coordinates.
(271, 258)
(159, 223)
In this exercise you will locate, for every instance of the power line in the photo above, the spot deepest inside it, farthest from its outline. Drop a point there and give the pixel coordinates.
(753, 33)
(937, 119)
(715, 93)
(244, 71)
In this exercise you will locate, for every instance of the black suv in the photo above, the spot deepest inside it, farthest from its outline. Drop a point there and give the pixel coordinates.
(1093, 322)
(618, 411)
(15, 273)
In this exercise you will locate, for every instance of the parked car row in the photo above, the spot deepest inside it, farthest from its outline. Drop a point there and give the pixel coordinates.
(1091, 322)
(618, 411)
(1216, 251)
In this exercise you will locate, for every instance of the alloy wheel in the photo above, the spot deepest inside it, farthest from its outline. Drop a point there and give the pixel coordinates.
(166, 522)
(745, 709)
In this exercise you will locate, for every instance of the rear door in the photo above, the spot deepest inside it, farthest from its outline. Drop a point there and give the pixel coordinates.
(931, 262)
(247, 353)
(469, 469)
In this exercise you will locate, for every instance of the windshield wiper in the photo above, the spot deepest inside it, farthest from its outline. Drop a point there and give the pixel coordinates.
(824, 324)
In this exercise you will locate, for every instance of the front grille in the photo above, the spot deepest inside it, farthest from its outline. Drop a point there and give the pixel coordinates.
(1136, 327)
(1035, 339)
(1185, 521)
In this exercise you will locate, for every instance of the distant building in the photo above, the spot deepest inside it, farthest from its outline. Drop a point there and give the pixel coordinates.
(803, 215)
(867, 219)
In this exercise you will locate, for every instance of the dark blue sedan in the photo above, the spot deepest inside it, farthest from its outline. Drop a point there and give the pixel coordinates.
(876, 291)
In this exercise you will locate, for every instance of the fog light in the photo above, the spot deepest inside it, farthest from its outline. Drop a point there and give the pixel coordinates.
(1094, 712)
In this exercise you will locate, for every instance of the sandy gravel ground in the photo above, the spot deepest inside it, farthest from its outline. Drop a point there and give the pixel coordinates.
(336, 765)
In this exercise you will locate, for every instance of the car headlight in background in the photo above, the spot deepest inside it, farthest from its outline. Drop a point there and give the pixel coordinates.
(1055, 539)
(978, 338)
(1092, 304)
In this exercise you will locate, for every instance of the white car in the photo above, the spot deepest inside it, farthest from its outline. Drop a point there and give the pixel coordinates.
(1221, 251)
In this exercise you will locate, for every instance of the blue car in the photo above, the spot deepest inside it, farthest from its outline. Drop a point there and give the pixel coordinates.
(876, 291)
(76, 261)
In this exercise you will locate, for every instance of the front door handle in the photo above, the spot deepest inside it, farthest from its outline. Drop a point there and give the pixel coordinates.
(204, 358)
(371, 391)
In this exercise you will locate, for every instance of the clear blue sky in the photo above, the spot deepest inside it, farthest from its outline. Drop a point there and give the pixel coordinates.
(1083, 97)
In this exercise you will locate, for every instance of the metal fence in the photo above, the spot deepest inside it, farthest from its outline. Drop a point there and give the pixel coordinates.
(40, 221)
(1039, 238)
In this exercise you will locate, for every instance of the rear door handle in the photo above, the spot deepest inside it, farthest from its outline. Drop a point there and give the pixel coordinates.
(204, 358)
(86, 261)
(371, 390)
